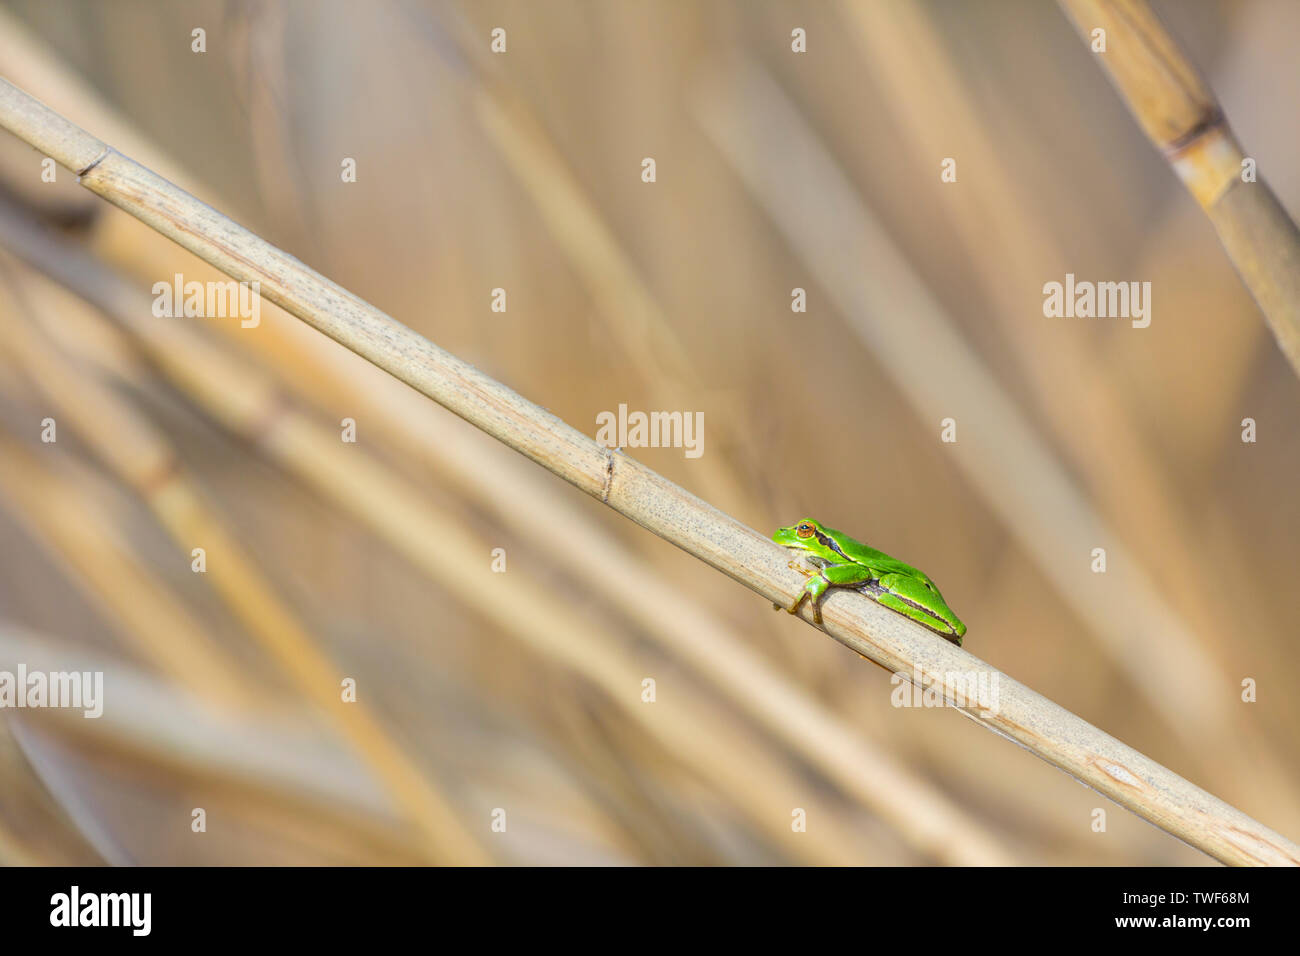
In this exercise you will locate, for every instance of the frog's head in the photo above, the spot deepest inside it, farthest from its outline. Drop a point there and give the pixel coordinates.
(809, 537)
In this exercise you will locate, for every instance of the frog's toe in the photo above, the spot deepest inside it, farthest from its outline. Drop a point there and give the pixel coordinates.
(794, 608)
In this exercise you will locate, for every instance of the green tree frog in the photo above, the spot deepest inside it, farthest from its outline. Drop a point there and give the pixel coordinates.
(841, 562)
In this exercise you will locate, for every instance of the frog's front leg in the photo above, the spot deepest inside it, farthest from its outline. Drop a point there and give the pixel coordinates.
(835, 575)
(815, 588)
(805, 571)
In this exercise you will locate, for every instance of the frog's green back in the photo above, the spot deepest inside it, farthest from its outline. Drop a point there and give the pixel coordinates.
(857, 551)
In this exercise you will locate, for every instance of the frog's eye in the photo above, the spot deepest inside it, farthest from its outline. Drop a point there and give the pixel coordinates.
(804, 530)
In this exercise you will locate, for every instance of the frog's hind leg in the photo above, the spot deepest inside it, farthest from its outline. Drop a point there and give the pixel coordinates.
(917, 614)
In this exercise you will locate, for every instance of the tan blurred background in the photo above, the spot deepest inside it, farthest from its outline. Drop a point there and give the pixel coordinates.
(522, 171)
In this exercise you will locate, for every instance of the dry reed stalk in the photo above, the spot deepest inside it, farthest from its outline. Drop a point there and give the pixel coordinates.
(637, 492)
(1180, 115)
(141, 456)
(245, 401)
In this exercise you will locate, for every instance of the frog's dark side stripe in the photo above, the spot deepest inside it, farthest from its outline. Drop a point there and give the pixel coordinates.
(924, 610)
(875, 586)
(826, 541)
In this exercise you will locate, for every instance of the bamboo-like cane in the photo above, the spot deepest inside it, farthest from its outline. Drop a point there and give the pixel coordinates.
(1128, 777)
(1182, 118)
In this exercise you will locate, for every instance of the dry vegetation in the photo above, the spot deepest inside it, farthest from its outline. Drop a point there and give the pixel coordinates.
(521, 690)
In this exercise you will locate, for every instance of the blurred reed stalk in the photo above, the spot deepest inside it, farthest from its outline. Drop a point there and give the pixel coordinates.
(275, 757)
(637, 492)
(648, 340)
(1180, 115)
(35, 828)
(142, 457)
(60, 514)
